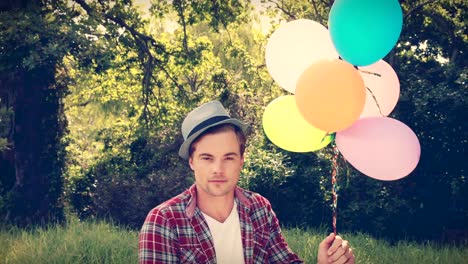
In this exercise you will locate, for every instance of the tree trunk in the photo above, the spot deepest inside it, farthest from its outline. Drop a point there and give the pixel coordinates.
(34, 198)
(32, 180)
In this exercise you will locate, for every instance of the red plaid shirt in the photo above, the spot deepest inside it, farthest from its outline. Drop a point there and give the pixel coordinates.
(176, 232)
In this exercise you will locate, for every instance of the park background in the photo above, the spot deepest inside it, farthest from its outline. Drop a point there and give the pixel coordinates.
(92, 95)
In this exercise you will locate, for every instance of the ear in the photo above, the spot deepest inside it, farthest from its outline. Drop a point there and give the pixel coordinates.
(190, 161)
(242, 160)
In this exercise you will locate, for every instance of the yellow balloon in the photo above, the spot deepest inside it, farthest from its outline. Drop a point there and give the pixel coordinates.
(285, 127)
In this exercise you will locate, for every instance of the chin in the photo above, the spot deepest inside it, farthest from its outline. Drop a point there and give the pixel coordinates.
(219, 193)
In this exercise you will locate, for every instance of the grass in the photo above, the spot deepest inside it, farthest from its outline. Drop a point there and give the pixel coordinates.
(100, 242)
(77, 242)
(369, 250)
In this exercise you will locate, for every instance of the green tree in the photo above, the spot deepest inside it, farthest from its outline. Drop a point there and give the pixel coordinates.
(35, 37)
(139, 147)
(127, 78)
(30, 86)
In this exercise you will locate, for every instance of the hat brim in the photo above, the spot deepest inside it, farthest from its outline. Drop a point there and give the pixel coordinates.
(184, 148)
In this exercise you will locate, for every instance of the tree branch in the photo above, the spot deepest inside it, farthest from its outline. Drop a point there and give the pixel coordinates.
(147, 59)
(317, 14)
(417, 7)
(180, 10)
(288, 13)
(119, 22)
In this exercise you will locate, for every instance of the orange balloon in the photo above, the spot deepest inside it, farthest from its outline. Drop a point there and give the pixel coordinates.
(330, 95)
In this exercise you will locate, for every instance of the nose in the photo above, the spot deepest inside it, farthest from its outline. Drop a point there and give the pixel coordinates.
(218, 167)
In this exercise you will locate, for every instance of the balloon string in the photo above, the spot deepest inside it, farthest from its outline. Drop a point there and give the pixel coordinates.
(335, 186)
(373, 96)
(375, 100)
(373, 73)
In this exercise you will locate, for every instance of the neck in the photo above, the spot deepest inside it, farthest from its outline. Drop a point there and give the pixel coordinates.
(216, 207)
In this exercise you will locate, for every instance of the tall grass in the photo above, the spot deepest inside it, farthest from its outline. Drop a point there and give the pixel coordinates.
(77, 242)
(369, 250)
(100, 242)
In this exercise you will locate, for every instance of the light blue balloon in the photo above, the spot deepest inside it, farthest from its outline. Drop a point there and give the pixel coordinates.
(364, 31)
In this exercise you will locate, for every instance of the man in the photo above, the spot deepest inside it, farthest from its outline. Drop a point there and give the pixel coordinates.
(215, 221)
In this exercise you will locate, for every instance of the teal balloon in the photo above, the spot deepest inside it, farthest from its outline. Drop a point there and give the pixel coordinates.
(364, 31)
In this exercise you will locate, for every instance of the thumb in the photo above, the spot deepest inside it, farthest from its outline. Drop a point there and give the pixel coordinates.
(322, 256)
(326, 243)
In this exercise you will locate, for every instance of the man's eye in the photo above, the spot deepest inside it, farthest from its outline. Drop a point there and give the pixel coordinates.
(206, 158)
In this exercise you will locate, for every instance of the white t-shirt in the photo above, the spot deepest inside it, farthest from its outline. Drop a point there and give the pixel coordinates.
(227, 238)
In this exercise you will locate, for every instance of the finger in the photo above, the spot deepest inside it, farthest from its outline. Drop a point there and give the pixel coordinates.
(351, 257)
(325, 244)
(350, 260)
(345, 245)
(338, 254)
(345, 258)
(341, 260)
(342, 250)
(328, 240)
(336, 244)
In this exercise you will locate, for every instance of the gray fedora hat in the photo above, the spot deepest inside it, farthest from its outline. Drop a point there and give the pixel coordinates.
(200, 119)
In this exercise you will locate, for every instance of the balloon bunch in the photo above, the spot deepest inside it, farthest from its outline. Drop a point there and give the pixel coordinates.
(341, 88)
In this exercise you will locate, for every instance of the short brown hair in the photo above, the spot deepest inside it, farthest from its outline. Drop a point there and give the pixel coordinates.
(222, 128)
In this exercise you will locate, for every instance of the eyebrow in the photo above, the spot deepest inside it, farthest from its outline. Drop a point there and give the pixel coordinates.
(205, 154)
(225, 155)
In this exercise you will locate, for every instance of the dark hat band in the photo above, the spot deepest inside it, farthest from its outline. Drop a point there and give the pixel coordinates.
(210, 121)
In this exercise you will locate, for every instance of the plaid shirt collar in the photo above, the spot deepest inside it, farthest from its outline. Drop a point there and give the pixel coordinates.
(240, 197)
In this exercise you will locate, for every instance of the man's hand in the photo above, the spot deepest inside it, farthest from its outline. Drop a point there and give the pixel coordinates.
(333, 249)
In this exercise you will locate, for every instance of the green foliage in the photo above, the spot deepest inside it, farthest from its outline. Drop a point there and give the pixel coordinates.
(297, 9)
(28, 58)
(135, 173)
(5, 121)
(127, 154)
(215, 13)
(294, 190)
(131, 80)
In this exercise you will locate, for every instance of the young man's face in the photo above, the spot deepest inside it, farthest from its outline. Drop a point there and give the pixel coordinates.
(217, 163)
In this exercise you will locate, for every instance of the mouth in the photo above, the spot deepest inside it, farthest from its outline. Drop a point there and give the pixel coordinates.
(217, 181)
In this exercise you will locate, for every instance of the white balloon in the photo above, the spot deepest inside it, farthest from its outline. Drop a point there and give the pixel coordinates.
(293, 47)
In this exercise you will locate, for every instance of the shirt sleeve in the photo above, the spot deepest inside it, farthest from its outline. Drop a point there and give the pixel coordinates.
(279, 251)
(157, 241)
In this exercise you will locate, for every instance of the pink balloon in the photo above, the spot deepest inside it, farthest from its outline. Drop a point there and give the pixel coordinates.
(382, 148)
(381, 79)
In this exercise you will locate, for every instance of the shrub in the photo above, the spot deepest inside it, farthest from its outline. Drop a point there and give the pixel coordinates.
(125, 187)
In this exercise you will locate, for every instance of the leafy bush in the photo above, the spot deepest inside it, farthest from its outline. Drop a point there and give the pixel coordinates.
(124, 187)
(293, 189)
